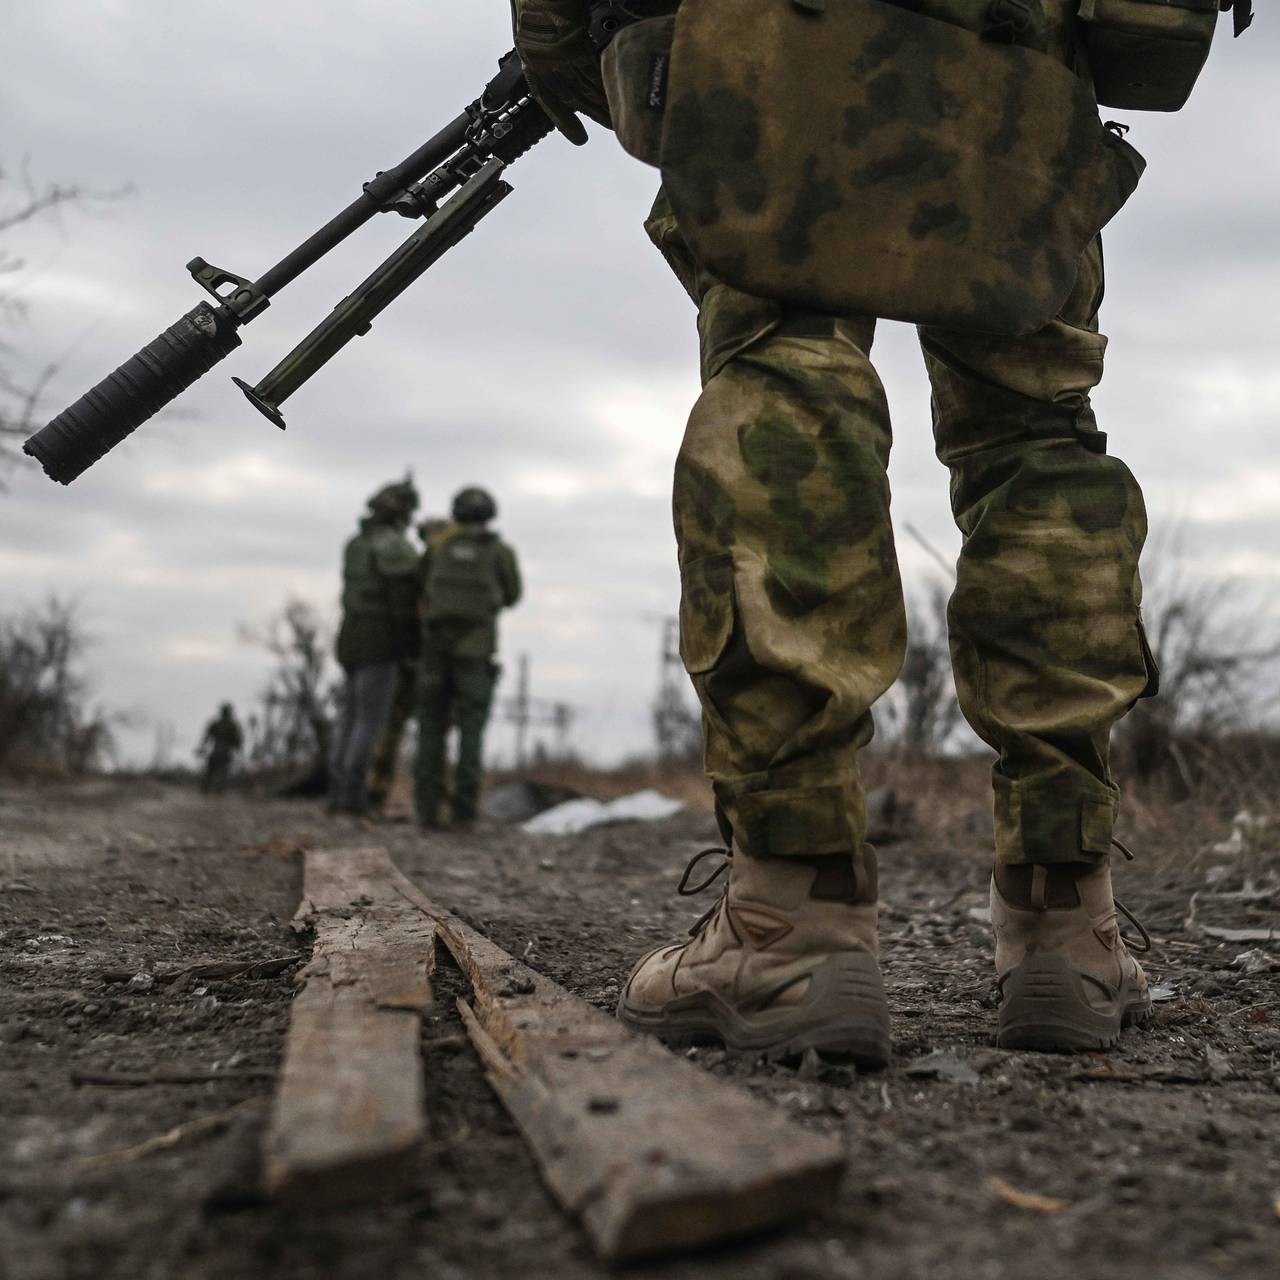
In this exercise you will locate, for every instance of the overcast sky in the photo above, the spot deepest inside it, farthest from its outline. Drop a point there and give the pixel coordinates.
(550, 357)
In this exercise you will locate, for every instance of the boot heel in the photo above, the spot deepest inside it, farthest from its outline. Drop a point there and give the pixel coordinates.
(1046, 1009)
(848, 1013)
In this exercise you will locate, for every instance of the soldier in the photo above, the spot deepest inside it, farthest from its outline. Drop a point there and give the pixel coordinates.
(470, 575)
(382, 771)
(222, 739)
(379, 633)
(792, 622)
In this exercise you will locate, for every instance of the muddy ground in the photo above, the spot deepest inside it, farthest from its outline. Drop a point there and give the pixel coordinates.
(1164, 1157)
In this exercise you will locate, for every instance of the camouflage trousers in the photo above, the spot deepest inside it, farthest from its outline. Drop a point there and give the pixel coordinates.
(382, 770)
(453, 689)
(792, 620)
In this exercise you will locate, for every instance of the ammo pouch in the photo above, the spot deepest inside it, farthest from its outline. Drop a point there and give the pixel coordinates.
(1145, 55)
(462, 581)
(855, 157)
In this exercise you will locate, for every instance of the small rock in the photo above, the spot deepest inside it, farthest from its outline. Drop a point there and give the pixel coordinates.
(1218, 1065)
(12, 1032)
(945, 1067)
(810, 1066)
(140, 982)
(1254, 961)
(517, 986)
(1211, 1132)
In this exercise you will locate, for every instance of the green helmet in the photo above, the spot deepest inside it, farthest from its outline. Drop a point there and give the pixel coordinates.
(474, 506)
(399, 499)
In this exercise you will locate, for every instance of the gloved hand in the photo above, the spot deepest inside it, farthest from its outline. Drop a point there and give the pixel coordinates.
(560, 63)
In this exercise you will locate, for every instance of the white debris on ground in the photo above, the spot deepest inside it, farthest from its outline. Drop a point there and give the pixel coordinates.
(1248, 834)
(581, 815)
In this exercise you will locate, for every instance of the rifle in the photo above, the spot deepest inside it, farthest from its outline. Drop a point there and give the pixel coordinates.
(454, 180)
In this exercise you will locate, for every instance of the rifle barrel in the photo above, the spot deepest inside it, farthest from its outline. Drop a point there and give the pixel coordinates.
(371, 201)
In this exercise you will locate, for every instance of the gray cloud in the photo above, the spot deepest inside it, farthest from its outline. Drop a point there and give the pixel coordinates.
(551, 356)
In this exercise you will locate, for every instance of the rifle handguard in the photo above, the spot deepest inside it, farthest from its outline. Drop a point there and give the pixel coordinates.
(136, 391)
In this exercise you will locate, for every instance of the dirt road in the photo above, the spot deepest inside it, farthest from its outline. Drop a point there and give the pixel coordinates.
(132, 1094)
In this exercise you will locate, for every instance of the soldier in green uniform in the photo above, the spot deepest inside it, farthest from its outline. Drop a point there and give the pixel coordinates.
(222, 739)
(383, 769)
(378, 634)
(792, 622)
(469, 576)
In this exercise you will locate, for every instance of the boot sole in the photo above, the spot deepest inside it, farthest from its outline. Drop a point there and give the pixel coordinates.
(1045, 1010)
(845, 1018)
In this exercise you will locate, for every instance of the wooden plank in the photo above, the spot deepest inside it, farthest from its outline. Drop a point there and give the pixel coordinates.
(348, 1114)
(652, 1153)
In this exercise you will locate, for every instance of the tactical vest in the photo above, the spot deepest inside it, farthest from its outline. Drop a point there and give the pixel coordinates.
(462, 579)
(366, 591)
(1146, 55)
(859, 157)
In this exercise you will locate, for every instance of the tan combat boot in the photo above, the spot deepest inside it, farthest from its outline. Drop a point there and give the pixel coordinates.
(784, 962)
(1068, 981)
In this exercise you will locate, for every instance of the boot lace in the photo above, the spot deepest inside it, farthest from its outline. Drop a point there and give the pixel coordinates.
(686, 891)
(1129, 941)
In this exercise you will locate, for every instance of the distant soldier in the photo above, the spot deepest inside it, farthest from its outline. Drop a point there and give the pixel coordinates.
(383, 770)
(469, 576)
(222, 739)
(379, 633)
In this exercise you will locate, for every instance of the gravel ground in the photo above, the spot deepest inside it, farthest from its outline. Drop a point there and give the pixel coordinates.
(133, 1095)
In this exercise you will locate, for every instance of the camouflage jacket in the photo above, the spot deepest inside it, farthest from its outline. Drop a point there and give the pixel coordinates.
(379, 597)
(469, 576)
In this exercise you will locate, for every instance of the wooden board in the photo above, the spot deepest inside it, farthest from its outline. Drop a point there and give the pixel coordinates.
(348, 1114)
(652, 1153)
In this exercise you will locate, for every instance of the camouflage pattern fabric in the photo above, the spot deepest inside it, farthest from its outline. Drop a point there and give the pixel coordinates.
(1146, 55)
(469, 576)
(461, 600)
(382, 769)
(457, 690)
(792, 622)
(380, 584)
(964, 178)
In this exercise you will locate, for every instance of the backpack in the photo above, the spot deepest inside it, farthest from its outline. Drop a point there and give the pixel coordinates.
(1146, 55)
(462, 579)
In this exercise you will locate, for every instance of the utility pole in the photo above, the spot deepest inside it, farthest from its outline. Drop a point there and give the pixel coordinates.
(521, 710)
(524, 710)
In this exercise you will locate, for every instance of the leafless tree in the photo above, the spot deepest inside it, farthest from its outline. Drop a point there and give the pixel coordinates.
(24, 200)
(921, 709)
(46, 722)
(290, 729)
(929, 712)
(1219, 659)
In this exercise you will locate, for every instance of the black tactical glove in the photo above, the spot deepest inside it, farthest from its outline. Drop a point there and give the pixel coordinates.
(560, 63)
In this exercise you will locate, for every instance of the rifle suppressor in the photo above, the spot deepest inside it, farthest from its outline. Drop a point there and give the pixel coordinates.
(136, 391)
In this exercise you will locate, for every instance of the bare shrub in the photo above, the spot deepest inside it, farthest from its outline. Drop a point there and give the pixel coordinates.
(290, 729)
(1212, 730)
(46, 722)
(924, 699)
